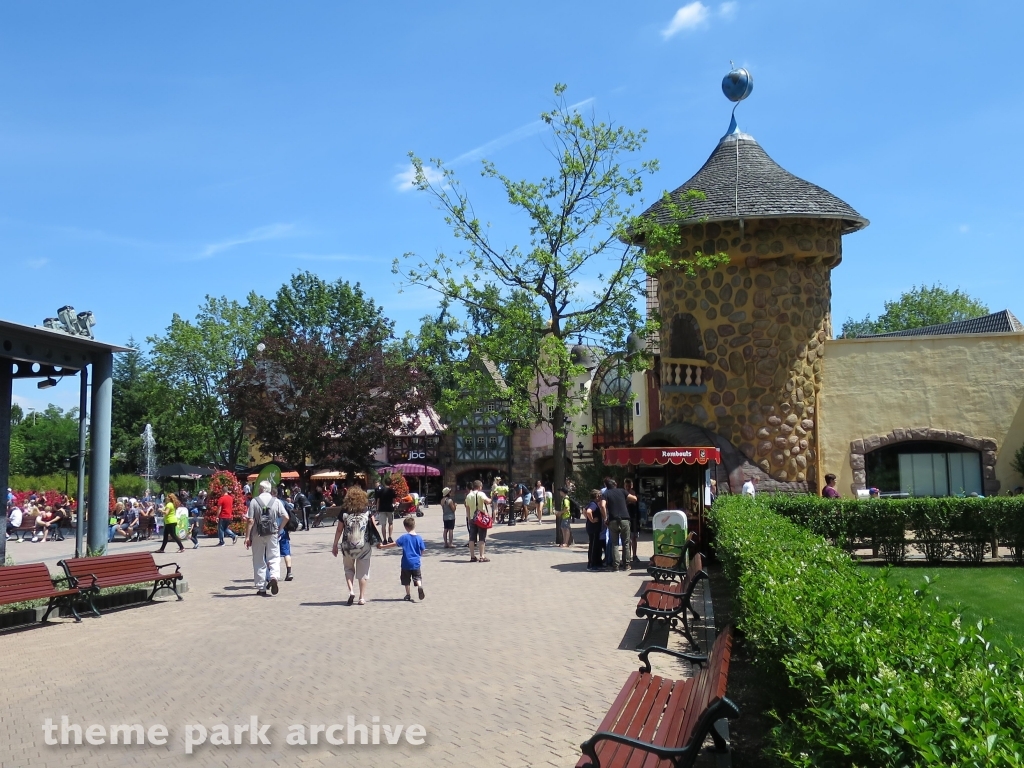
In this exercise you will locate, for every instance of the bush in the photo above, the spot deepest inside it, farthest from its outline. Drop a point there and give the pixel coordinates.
(864, 672)
(950, 528)
(124, 485)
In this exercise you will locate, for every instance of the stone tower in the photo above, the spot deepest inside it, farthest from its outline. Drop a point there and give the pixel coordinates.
(741, 346)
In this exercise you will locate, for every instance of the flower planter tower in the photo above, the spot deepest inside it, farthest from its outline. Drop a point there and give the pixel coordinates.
(742, 345)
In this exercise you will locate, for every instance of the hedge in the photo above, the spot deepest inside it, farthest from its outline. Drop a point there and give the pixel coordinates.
(943, 529)
(863, 672)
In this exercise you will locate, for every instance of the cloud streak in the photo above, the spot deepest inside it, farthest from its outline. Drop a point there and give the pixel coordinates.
(258, 235)
(405, 180)
(688, 17)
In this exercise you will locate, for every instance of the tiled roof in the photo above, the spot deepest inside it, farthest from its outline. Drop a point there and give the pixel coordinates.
(425, 422)
(997, 322)
(740, 181)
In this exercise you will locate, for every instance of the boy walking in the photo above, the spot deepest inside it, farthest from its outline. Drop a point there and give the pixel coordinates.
(412, 546)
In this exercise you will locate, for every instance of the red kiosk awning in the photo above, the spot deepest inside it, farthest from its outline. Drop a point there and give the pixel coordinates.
(656, 456)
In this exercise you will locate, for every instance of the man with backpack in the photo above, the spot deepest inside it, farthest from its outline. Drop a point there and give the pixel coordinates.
(264, 521)
(478, 520)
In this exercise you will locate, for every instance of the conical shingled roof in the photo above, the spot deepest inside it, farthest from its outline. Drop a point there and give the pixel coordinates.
(741, 181)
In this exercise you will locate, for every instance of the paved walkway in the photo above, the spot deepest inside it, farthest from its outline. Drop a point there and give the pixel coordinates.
(507, 663)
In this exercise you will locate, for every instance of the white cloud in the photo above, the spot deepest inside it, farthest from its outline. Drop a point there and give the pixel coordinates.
(406, 180)
(37, 263)
(727, 10)
(690, 16)
(269, 232)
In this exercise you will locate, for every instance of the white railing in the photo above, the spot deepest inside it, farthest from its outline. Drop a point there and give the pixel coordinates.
(682, 372)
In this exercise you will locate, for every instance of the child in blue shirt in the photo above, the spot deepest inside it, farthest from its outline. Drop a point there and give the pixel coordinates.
(412, 546)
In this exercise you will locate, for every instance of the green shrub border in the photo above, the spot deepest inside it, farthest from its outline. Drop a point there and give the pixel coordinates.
(863, 672)
(945, 529)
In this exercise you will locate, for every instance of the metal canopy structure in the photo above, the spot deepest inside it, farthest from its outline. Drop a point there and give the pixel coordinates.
(30, 352)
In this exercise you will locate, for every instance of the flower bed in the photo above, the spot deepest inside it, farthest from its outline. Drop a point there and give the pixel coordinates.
(863, 672)
(943, 529)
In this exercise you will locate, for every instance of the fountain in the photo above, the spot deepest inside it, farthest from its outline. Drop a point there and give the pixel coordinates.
(148, 446)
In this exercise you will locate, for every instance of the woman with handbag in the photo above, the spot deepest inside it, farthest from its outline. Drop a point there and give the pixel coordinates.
(478, 520)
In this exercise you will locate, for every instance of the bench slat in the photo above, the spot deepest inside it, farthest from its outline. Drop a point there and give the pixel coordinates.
(633, 718)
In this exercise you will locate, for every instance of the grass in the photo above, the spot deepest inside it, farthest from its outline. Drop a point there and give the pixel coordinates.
(981, 593)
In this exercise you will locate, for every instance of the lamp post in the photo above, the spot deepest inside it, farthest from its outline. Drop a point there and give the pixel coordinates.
(510, 424)
(67, 466)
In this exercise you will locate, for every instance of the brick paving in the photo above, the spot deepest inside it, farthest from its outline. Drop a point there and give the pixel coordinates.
(507, 663)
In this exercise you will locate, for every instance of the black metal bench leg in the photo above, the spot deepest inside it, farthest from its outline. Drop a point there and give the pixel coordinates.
(92, 606)
(50, 605)
(716, 736)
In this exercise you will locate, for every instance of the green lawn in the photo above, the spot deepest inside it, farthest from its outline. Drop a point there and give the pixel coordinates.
(991, 593)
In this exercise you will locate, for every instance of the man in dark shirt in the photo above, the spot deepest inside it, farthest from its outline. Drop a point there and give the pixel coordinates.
(385, 496)
(615, 509)
(301, 508)
(634, 518)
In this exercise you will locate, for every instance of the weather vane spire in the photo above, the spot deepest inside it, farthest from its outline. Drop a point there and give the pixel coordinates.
(736, 86)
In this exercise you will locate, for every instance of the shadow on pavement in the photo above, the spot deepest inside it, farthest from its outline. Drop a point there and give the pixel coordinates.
(328, 603)
(634, 634)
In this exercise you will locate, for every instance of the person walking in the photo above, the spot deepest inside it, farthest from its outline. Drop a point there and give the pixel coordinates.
(477, 501)
(285, 540)
(448, 517)
(301, 508)
(385, 497)
(539, 498)
(264, 520)
(225, 514)
(412, 545)
(171, 522)
(615, 509)
(595, 526)
(355, 545)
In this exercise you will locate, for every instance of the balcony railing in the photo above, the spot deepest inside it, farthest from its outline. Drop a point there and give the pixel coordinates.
(682, 372)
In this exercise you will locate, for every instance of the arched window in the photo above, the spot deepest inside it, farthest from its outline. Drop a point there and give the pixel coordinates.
(613, 412)
(685, 340)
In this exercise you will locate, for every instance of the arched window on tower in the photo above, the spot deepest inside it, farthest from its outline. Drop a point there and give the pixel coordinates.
(685, 341)
(613, 410)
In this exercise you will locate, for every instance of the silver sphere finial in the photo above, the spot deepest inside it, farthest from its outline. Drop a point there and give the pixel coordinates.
(738, 84)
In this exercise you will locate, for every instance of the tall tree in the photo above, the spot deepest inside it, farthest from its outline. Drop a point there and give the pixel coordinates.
(317, 309)
(917, 308)
(46, 439)
(525, 304)
(329, 404)
(193, 360)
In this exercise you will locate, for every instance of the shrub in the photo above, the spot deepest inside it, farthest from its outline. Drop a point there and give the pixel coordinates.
(864, 672)
(950, 528)
(224, 481)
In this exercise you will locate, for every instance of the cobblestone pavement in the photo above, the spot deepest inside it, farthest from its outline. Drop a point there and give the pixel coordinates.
(506, 663)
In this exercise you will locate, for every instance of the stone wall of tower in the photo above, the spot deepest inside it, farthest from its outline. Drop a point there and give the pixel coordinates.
(763, 320)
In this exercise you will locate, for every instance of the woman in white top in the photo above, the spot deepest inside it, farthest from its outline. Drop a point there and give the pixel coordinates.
(539, 499)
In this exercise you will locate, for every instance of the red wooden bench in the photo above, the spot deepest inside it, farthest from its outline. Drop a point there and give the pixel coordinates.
(662, 604)
(655, 721)
(671, 564)
(33, 582)
(120, 571)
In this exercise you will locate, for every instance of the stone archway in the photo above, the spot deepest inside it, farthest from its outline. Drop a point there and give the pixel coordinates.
(985, 446)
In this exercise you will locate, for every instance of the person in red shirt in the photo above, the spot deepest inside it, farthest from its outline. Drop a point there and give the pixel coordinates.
(225, 514)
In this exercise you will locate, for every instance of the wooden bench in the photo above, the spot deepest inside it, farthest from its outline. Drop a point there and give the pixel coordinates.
(655, 721)
(120, 571)
(33, 582)
(671, 565)
(663, 603)
(27, 527)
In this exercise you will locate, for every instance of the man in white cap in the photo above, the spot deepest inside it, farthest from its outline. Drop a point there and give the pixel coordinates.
(264, 521)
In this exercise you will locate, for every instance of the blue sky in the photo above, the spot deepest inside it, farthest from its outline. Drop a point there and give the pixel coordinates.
(150, 154)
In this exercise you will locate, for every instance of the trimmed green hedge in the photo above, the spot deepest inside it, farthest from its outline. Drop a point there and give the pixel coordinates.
(864, 673)
(944, 529)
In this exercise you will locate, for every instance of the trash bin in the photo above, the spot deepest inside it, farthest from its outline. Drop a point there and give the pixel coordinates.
(669, 532)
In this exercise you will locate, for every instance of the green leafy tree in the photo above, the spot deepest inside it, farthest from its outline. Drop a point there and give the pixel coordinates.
(577, 271)
(317, 309)
(191, 363)
(45, 439)
(917, 308)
